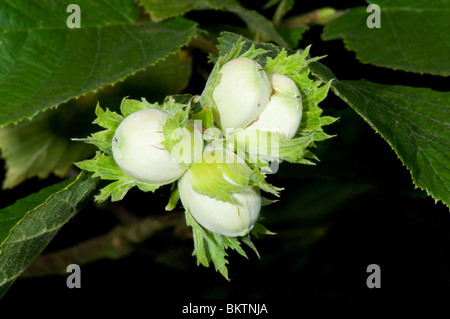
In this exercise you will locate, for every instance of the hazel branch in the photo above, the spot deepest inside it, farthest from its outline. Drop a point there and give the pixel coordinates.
(119, 242)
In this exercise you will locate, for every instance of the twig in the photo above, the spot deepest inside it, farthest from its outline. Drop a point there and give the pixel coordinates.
(204, 44)
(320, 16)
(119, 242)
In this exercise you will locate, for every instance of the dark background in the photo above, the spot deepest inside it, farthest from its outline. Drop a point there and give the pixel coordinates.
(356, 207)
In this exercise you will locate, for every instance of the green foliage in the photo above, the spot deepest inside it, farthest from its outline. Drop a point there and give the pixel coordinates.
(414, 35)
(291, 35)
(29, 225)
(44, 63)
(42, 146)
(178, 120)
(414, 121)
(211, 247)
(161, 10)
(235, 169)
(284, 6)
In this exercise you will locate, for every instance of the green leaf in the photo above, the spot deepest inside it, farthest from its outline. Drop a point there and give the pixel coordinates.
(109, 120)
(259, 179)
(161, 10)
(175, 128)
(177, 107)
(414, 121)
(43, 146)
(414, 35)
(219, 174)
(173, 135)
(205, 115)
(128, 107)
(284, 7)
(259, 230)
(102, 166)
(44, 63)
(259, 25)
(261, 147)
(289, 65)
(374, 162)
(106, 168)
(174, 197)
(270, 3)
(182, 139)
(222, 173)
(231, 45)
(32, 222)
(211, 247)
(11, 215)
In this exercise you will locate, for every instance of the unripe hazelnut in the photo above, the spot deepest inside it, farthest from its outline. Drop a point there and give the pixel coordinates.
(284, 110)
(229, 219)
(137, 148)
(242, 94)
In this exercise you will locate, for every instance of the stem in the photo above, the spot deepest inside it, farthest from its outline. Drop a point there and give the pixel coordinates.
(320, 16)
(279, 12)
(119, 242)
(204, 44)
